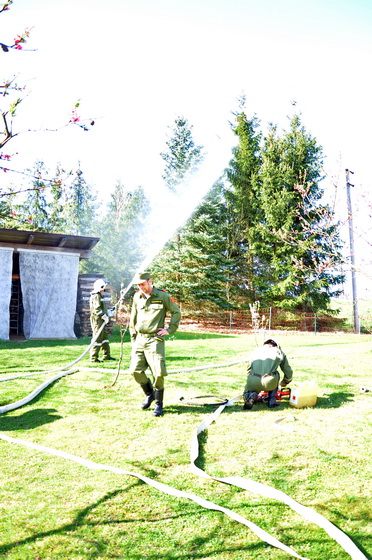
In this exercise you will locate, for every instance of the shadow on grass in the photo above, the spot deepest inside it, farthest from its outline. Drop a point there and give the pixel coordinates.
(334, 400)
(28, 420)
(202, 439)
(114, 338)
(80, 526)
(79, 521)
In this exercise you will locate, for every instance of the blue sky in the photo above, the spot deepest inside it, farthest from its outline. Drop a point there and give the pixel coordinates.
(137, 65)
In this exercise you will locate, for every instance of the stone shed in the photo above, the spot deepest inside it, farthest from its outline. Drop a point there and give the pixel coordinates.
(40, 283)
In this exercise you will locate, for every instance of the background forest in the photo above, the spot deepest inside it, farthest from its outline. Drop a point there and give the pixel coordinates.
(261, 233)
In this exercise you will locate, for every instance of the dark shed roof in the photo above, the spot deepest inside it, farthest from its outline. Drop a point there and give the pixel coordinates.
(40, 240)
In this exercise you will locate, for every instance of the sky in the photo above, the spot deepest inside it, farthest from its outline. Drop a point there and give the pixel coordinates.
(136, 65)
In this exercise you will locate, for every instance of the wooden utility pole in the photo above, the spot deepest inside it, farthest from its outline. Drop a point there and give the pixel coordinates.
(352, 252)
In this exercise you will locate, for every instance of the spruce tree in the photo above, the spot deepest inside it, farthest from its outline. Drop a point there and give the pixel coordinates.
(193, 266)
(243, 209)
(80, 204)
(297, 226)
(182, 157)
(34, 212)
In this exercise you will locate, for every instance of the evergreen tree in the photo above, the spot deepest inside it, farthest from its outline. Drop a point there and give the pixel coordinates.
(297, 227)
(183, 156)
(243, 209)
(56, 206)
(8, 213)
(120, 250)
(34, 212)
(79, 205)
(193, 266)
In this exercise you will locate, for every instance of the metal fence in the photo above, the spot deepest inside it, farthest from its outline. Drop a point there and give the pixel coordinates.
(270, 318)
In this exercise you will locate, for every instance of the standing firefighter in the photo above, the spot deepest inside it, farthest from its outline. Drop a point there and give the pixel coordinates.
(146, 327)
(263, 373)
(99, 316)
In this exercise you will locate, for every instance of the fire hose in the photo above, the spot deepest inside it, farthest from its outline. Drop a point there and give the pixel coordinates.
(239, 482)
(246, 484)
(64, 370)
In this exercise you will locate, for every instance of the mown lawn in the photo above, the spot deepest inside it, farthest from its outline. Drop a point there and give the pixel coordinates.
(53, 508)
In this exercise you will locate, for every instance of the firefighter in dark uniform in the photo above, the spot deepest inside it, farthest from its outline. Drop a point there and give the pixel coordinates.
(147, 330)
(263, 373)
(99, 315)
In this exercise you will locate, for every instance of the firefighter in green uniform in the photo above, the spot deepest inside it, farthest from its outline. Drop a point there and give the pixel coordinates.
(147, 330)
(99, 315)
(263, 373)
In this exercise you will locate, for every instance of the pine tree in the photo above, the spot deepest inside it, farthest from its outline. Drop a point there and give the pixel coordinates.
(297, 226)
(244, 211)
(80, 204)
(56, 205)
(193, 266)
(183, 156)
(34, 212)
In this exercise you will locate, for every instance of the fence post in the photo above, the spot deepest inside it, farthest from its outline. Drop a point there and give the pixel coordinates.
(314, 323)
(230, 321)
(270, 319)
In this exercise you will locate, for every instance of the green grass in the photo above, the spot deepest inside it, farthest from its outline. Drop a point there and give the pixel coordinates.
(52, 508)
(346, 310)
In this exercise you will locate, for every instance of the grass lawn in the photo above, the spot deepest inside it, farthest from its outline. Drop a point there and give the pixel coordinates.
(53, 508)
(346, 310)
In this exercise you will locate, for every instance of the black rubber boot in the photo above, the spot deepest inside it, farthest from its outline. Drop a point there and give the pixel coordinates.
(251, 399)
(159, 394)
(150, 395)
(271, 402)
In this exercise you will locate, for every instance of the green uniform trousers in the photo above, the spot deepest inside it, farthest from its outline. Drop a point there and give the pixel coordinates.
(257, 383)
(102, 341)
(148, 352)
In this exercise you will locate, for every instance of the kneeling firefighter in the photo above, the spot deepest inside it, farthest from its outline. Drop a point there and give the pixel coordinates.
(149, 309)
(263, 375)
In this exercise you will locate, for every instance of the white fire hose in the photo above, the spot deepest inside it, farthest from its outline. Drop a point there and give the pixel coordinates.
(258, 488)
(247, 484)
(65, 370)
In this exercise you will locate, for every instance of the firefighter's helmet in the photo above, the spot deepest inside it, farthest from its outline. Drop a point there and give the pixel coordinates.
(98, 286)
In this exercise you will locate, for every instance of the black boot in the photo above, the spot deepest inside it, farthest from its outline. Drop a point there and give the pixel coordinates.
(271, 402)
(149, 392)
(159, 394)
(251, 399)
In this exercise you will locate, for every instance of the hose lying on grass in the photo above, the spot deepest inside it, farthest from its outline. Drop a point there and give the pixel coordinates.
(239, 482)
(65, 370)
(33, 394)
(207, 504)
(62, 368)
(270, 492)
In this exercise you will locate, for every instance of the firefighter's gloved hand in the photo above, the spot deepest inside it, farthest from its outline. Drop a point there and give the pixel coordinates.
(284, 383)
(105, 318)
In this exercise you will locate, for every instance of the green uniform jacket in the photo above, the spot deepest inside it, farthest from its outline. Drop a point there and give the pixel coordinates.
(148, 314)
(97, 306)
(263, 367)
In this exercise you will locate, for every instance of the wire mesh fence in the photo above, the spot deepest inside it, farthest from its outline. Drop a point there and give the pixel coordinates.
(270, 318)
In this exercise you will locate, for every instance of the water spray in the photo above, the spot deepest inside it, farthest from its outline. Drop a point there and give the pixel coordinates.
(178, 207)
